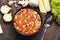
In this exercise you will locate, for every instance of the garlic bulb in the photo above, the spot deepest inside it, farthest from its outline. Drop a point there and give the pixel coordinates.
(23, 3)
(33, 3)
(7, 17)
(5, 9)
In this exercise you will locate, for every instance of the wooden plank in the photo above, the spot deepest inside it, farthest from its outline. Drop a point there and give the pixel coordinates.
(53, 33)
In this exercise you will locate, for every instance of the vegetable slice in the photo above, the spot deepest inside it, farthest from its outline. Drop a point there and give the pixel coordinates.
(5, 9)
(41, 7)
(47, 5)
(7, 17)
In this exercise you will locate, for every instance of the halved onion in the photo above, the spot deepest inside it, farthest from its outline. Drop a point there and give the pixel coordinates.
(5, 9)
(7, 17)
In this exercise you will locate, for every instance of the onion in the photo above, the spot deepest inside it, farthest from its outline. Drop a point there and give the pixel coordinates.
(5, 9)
(33, 3)
(7, 17)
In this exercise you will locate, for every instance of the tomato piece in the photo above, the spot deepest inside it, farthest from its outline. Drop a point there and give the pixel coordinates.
(15, 19)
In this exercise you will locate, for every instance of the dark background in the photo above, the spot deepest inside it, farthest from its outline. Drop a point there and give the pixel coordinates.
(53, 33)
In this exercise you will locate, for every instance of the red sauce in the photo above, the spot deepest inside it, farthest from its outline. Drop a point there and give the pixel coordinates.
(27, 21)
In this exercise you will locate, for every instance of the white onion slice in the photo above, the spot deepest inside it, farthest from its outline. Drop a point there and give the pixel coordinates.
(7, 17)
(5, 9)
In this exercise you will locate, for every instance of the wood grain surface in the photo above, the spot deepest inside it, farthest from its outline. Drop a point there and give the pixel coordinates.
(53, 33)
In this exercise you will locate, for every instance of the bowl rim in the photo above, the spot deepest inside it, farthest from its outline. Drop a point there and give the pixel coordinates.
(38, 14)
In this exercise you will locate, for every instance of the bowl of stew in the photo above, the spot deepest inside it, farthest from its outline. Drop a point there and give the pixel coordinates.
(27, 21)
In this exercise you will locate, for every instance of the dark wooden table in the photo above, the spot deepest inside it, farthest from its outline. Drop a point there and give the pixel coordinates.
(53, 33)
